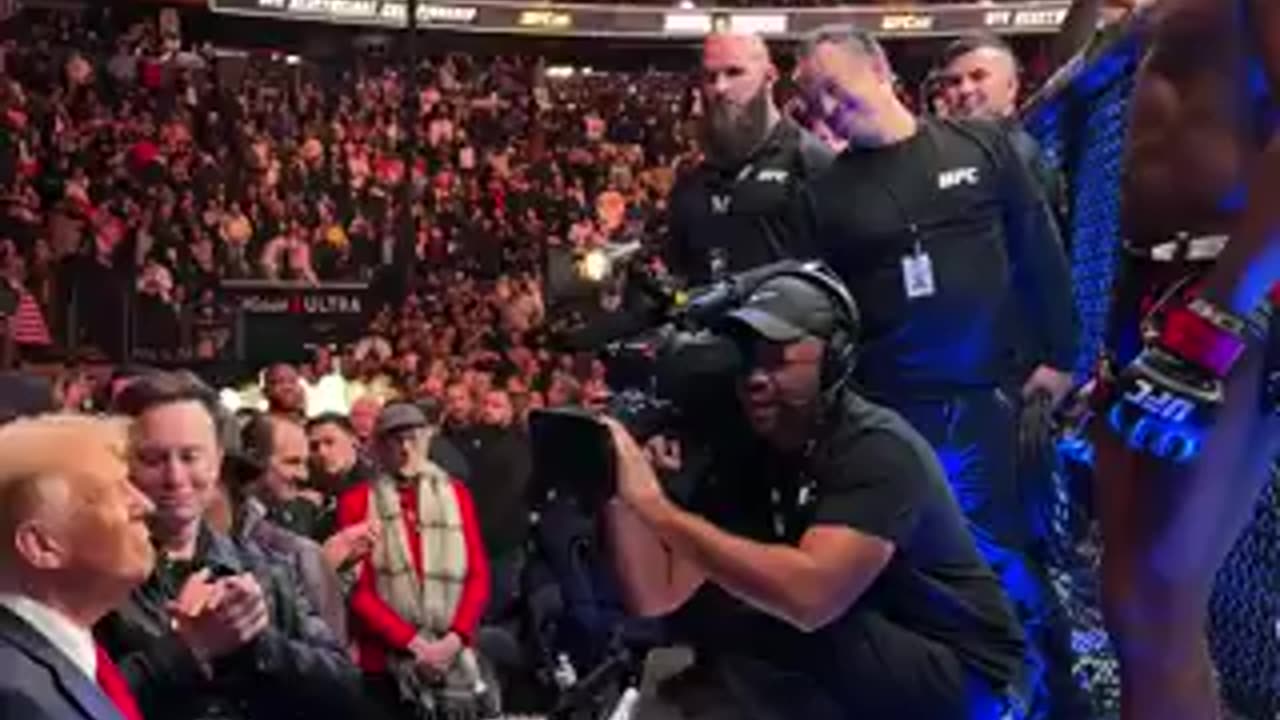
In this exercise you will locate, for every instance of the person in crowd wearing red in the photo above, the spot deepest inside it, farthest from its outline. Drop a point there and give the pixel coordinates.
(75, 543)
(420, 596)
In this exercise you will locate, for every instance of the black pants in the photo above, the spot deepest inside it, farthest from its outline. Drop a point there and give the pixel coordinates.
(974, 435)
(876, 669)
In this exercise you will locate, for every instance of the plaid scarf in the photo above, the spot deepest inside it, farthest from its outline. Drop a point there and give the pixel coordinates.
(429, 603)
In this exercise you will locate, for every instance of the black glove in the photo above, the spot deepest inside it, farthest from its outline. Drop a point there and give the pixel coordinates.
(1163, 405)
(1165, 401)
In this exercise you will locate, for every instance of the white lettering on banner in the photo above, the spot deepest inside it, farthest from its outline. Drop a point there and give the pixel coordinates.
(331, 304)
(686, 23)
(310, 304)
(1039, 18)
(758, 24)
(545, 18)
(447, 13)
(948, 179)
(264, 305)
(998, 18)
(346, 8)
(910, 21)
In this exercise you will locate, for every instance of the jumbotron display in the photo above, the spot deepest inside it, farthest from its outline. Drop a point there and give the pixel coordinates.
(657, 23)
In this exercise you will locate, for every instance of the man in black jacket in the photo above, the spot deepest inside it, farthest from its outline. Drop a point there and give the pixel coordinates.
(979, 79)
(935, 226)
(735, 211)
(218, 630)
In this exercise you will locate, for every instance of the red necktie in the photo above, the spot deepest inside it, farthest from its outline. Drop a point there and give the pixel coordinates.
(114, 686)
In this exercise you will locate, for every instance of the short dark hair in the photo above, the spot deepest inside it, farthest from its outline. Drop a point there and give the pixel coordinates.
(975, 41)
(432, 409)
(331, 418)
(846, 35)
(258, 439)
(157, 389)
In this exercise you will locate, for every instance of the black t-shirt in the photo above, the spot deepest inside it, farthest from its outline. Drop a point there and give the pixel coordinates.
(872, 472)
(733, 219)
(958, 193)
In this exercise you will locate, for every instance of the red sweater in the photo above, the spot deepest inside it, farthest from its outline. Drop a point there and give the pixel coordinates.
(376, 627)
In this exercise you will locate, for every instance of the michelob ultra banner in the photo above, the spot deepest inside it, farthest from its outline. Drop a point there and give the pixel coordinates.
(278, 321)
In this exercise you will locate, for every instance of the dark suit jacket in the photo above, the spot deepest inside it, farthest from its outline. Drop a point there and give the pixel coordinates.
(39, 682)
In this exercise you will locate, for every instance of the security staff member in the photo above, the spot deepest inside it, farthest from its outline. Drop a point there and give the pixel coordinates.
(932, 224)
(736, 210)
(865, 596)
(978, 79)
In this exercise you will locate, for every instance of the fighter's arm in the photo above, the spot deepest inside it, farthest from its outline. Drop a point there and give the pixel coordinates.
(1250, 265)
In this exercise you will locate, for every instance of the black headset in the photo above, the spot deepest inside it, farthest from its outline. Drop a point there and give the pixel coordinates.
(841, 354)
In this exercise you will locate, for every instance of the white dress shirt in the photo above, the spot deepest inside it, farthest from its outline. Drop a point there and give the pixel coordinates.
(69, 638)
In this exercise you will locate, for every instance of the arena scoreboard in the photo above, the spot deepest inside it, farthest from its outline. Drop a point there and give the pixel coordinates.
(656, 22)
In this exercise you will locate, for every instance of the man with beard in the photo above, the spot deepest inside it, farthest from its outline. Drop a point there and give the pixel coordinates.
(501, 464)
(737, 209)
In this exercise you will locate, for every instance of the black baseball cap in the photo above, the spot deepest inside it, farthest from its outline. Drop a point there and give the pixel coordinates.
(786, 309)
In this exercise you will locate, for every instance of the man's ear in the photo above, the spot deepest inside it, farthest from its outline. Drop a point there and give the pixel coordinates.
(771, 73)
(39, 547)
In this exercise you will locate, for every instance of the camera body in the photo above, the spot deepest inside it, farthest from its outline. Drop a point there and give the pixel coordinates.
(671, 364)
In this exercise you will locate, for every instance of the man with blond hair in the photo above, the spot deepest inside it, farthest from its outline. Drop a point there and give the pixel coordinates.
(73, 544)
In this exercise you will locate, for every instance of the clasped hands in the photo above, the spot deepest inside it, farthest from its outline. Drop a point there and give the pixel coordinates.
(217, 616)
(434, 657)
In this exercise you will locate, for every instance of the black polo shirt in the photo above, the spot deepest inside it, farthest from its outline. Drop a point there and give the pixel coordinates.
(869, 471)
(730, 219)
(958, 193)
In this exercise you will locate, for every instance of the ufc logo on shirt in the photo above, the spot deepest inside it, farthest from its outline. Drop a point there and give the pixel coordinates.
(948, 179)
(720, 204)
(773, 176)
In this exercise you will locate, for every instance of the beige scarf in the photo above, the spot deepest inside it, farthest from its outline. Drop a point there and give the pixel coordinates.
(429, 602)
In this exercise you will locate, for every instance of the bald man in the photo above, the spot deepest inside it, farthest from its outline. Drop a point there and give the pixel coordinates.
(73, 544)
(736, 210)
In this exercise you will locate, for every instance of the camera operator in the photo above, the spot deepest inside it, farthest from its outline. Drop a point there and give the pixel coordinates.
(936, 226)
(861, 592)
(736, 210)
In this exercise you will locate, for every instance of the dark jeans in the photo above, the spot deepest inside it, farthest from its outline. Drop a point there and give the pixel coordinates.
(974, 435)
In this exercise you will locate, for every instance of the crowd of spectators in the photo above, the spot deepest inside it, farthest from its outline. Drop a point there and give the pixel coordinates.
(139, 173)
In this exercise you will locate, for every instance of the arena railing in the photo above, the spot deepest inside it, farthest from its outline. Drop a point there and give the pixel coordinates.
(663, 23)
